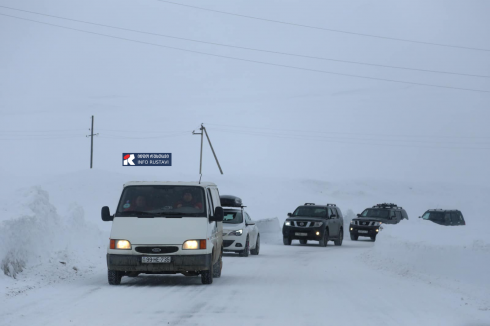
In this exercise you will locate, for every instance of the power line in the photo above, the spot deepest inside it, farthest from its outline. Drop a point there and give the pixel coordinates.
(342, 141)
(347, 138)
(249, 48)
(327, 29)
(346, 133)
(253, 61)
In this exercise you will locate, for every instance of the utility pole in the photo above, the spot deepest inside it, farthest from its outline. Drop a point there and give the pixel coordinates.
(204, 131)
(92, 142)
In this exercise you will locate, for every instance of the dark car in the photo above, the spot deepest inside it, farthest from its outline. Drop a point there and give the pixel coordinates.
(369, 222)
(321, 223)
(449, 217)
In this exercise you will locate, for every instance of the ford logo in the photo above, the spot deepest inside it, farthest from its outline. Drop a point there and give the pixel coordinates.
(156, 250)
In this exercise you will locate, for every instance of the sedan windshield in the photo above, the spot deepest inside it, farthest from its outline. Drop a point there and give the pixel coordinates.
(162, 201)
(378, 213)
(310, 211)
(233, 217)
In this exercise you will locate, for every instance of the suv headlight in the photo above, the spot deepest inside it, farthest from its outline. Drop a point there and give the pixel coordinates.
(353, 222)
(317, 224)
(236, 233)
(377, 223)
(287, 223)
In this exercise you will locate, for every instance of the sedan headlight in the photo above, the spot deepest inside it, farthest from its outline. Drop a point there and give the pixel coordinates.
(317, 224)
(287, 223)
(120, 244)
(236, 233)
(194, 244)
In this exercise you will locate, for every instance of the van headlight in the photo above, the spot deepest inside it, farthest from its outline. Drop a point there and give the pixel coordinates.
(120, 244)
(194, 244)
(236, 233)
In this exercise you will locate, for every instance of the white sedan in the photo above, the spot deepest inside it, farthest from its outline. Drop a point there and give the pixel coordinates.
(240, 234)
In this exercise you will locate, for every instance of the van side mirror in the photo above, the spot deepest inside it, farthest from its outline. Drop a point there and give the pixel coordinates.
(290, 214)
(106, 214)
(218, 216)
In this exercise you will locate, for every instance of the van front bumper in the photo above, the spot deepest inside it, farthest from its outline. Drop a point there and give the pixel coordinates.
(178, 263)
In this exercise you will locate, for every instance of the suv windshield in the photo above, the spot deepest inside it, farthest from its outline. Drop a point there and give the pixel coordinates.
(310, 211)
(233, 217)
(434, 216)
(162, 201)
(378, 213)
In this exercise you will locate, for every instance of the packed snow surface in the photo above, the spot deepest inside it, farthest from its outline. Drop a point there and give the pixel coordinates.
(416, 273)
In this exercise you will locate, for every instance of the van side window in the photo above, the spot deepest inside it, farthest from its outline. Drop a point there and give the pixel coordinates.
(210, 204)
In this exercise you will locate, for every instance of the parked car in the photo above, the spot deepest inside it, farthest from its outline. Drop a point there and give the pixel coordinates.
(240, 234)
(166, 228)
(449, 217)
(320, 223)
(368, 223)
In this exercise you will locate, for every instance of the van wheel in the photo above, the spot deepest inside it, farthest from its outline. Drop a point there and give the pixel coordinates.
(217, 267)
(338, 242)
(303, 241)
(207, 276)
(245, 252)
(354, 237)
(114, 277)
(286, 241)
(324, 240)
(257, 246)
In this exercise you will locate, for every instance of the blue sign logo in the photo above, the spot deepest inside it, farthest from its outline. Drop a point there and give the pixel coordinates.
(147, 159)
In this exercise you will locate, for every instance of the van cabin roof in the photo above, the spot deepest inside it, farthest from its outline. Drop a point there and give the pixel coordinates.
(169, 183)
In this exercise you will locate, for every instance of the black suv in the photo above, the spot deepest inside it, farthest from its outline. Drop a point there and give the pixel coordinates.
(444, 217)
(321, 223)
(369, 221)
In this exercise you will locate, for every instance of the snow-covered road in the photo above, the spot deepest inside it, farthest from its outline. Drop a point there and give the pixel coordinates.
(284, 285)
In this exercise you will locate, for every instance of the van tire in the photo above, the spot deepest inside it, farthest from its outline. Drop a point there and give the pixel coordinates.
(217, 267)
(256, 250)
(114, 277)
(207, 276)
(246, 251)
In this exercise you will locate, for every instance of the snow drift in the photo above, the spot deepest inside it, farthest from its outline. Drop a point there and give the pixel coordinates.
(36, 239)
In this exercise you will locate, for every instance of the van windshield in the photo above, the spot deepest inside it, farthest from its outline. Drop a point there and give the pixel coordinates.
(159, 200)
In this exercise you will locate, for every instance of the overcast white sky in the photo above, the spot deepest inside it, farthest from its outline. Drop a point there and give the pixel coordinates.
(263, 120)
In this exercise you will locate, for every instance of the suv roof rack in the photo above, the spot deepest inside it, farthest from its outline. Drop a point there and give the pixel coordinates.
(331, 205)
(386, 205)
(309, 204)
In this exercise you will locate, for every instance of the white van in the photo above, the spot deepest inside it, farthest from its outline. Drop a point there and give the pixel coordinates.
(166, 228)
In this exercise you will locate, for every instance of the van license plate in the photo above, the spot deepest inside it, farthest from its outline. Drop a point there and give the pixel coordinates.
(152, 260)
(301, 234)
(362, 231)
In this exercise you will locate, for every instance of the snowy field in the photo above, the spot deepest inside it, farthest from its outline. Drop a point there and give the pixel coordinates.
(416, 273)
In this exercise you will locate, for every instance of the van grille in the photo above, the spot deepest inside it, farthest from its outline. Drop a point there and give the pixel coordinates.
(157, 250)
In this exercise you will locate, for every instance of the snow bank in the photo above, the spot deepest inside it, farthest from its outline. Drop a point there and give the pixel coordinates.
(37, 240)
(455, 257)
(270, 230)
